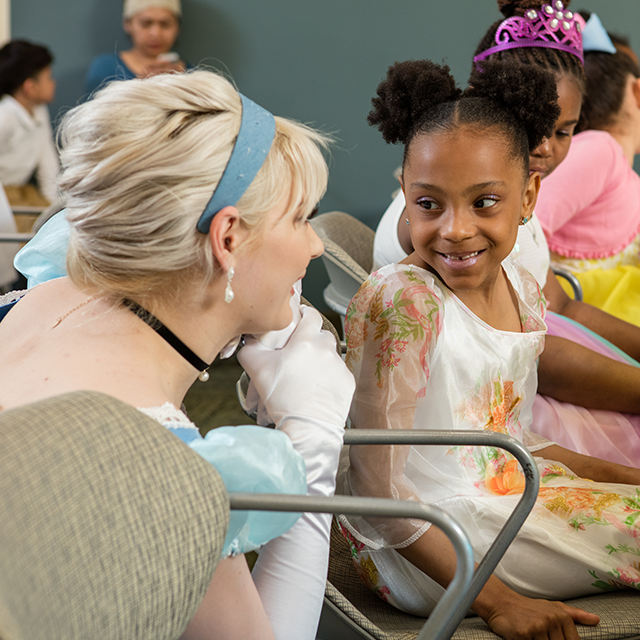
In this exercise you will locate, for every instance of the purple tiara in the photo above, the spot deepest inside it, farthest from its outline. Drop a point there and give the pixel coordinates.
(550, 27)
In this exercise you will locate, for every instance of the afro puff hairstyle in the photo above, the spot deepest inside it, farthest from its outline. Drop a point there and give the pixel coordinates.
(421, 97)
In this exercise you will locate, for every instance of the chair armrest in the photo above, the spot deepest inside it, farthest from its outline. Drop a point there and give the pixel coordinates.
(474, 438)
(572, 280)
(438, 623)
(16, 237)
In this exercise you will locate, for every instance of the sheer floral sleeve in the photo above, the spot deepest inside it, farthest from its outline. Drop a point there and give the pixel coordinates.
(395, 316)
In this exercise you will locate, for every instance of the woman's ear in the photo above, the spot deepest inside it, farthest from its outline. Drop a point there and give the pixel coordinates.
(126, 26)
(227, 234)
(530, 196)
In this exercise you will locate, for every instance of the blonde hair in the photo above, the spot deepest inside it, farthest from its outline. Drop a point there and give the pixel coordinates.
(140, 162)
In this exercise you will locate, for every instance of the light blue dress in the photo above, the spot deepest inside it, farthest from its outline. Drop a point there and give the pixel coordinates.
(250, 459)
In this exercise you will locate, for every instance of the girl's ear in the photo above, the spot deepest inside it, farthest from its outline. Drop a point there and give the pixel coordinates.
(530, 196)
(227, 234)
(635, 87)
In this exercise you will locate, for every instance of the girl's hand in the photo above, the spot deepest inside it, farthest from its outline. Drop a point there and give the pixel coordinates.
(521, 618)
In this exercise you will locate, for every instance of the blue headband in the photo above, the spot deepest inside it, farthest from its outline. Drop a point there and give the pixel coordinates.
(595, 37)
(257, 129)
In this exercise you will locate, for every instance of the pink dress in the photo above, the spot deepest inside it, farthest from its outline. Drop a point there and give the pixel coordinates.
(589, 208)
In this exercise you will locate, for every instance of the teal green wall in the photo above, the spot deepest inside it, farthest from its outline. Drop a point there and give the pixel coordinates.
(318, 62)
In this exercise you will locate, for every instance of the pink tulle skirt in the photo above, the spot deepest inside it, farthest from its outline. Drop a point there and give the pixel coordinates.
(608, 435)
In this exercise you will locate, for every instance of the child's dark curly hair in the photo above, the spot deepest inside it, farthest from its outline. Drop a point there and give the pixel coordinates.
(419, 96)
(560, 63)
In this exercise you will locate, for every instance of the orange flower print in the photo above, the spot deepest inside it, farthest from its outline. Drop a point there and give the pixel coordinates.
(507, 483)
(495, 407)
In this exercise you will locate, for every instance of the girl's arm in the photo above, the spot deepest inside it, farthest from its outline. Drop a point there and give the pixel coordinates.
(572, 373)
(591, 468)
(507, 613)
(624, 335)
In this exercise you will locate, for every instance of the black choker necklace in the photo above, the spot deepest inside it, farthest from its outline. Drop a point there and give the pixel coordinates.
(148, 318)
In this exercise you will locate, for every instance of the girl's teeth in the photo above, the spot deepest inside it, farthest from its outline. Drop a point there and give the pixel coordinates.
(469, 255)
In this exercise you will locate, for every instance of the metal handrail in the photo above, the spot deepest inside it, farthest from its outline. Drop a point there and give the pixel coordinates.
(16, 237)
(468, 438)
(436, 626)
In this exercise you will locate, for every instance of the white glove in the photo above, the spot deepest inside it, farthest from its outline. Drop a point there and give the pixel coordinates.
(306, 378)
(306, 389)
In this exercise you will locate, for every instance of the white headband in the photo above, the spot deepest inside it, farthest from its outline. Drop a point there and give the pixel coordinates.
(132, 7)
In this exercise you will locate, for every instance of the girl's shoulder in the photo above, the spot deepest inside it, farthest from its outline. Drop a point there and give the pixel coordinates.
(398, 293)
(405, 275)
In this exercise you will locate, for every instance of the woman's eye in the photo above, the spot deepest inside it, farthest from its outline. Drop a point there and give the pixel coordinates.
(485, 203)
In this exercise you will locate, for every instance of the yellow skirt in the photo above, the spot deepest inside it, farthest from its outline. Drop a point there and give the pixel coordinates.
(616, 291)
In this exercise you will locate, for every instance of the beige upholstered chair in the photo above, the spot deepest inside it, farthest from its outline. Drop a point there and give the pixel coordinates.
(110, 526)
(348, 256)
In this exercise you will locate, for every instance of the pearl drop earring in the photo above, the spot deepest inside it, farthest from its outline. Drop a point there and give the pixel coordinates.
(228, 292)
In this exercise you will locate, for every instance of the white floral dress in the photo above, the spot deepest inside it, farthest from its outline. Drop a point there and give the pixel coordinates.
(423, 360)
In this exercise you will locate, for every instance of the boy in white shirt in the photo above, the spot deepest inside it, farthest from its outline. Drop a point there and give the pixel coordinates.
(26, 141)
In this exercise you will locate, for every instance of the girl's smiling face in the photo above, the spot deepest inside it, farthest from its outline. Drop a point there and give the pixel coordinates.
(466, 192)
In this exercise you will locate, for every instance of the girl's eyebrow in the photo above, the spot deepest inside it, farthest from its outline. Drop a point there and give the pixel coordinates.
(493, 184)
(568, 123)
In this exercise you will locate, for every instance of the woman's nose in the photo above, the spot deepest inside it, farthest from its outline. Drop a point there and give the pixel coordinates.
(315, 244)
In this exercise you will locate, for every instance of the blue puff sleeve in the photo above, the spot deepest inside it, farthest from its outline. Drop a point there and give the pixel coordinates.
(45, 256)
(256, 460)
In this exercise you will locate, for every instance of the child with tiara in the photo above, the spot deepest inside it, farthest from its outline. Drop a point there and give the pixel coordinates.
(587, 372)
(590, 208)
(448, 339)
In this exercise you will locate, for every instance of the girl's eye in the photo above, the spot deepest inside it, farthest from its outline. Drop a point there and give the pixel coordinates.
(428, 205)
(485, 203)
(563, 134)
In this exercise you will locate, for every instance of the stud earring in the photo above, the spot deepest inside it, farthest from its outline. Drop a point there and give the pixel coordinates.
(525, 220)
(407, 220)
(228, 292)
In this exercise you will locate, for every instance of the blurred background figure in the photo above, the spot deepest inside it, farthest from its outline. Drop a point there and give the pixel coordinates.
(28, 158)
(153, 26)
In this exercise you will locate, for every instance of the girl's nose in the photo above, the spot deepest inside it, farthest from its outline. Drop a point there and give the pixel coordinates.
(543, 150)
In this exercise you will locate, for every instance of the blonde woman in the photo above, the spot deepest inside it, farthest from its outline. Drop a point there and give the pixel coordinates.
(187, 207)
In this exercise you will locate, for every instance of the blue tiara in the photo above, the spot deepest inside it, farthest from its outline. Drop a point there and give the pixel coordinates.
(257, 130)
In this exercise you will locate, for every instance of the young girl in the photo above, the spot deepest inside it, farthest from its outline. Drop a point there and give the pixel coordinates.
(589, 384)
(590, 207)
(448, 339)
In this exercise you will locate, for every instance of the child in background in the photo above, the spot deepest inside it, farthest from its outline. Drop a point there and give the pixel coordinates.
(447, 340)
(26, 141)
(590, 207)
